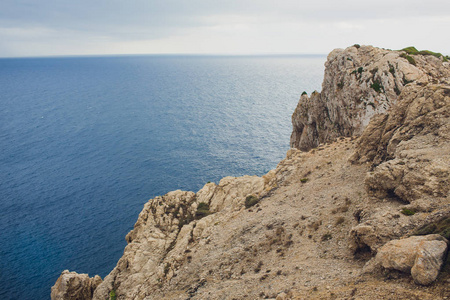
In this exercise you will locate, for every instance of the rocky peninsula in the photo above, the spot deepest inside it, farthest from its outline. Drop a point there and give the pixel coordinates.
(358, 209)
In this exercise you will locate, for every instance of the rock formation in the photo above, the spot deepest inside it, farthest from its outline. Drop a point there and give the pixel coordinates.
(422, 256)
(359, 82)
(71, 285)
(315, 227)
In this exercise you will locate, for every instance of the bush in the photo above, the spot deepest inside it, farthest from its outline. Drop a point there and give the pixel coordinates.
(411, 50)
(408, 212)
(112, 295)
(376, 86)
(408, 58)
(251, 200)
(304, 180)
(202, 210)
(304, 93)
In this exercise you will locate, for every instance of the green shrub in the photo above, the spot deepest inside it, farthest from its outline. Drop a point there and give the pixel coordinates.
(377, 86)
(408, 212)
(360, 70)
(202, 210)
(357, 46)
(112, 295)
(251, 200)
(304, 93)
(411, 50)
(410, 59)
(392, 70)
(304, 180)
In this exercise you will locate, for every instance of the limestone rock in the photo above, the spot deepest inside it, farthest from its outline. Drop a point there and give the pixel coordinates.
(359, 83)
(423, 256)
(166, 228)
(74, 286)
(409, 147)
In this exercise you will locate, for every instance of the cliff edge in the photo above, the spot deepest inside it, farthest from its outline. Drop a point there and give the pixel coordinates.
(361, 211)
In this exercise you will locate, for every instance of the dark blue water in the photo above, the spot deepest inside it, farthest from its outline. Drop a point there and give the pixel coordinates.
(85, 142)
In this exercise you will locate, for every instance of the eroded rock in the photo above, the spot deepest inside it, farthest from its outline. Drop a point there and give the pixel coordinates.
(422, 256)
(74, 286)
(359, 83)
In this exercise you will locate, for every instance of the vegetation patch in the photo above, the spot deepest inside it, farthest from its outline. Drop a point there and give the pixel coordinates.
(410, 59)
(304, 180)
(392, 70)
(408, 212)
(377, 86)
(251, 200)
(304, 93)
(357, 46)
(441, 227)
(202, 210)
(112, 295)
(413, 51)
(360, 70)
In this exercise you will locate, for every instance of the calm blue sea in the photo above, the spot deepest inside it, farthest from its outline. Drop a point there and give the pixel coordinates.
(86, 141)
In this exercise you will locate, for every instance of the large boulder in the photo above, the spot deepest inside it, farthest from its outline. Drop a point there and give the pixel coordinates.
(74, 286)
(422, 256)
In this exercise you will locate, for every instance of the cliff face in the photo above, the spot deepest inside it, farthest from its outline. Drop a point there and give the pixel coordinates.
(359, 82)
(312, 228)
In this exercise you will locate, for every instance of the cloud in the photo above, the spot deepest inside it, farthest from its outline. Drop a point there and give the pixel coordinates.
(152, 26)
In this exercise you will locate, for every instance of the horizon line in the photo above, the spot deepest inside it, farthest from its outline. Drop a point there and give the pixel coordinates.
(163, 54)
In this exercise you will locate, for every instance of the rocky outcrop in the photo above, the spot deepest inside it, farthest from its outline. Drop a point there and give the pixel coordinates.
(74, 286)
(410, 148)
(306, 229)
(359, 83)
(422, 256)
(166, 228)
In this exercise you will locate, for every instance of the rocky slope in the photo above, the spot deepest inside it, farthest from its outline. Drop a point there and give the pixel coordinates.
(326, 223)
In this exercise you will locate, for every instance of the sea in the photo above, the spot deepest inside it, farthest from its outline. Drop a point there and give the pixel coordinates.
(86, 141)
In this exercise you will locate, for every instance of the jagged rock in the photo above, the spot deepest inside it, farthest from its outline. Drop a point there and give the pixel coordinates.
(378, 227)
(410, 147)
(359, 83)
(423, 256)
(159, 243)
(74, 286)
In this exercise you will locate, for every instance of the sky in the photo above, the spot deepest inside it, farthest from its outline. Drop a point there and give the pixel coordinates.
(98, 27)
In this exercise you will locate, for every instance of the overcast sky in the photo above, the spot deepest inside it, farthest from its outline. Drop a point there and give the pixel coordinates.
(81, 27)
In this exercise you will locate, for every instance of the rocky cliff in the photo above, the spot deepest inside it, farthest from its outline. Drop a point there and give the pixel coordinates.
(363, 217)
(359, 82)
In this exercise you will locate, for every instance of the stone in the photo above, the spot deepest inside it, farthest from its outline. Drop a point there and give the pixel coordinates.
(74, 286)
(282, 296)
(422, 256)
